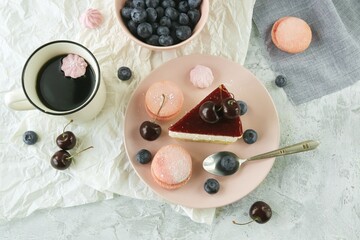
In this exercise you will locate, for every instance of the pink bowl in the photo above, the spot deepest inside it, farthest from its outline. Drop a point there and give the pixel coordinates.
(204, 9)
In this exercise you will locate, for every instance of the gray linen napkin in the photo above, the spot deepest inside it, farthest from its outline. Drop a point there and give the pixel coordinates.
(332, 62)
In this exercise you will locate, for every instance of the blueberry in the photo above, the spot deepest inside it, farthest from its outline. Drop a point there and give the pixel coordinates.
(160, 12)
(124, 73)
(144, 30)
(174, 25)
(183, 6)
(168, 3)
(129, 3)
(152, 3)
(143, 156)
(242, 106)
(172, 13)
(132, 26)
(126, 12)
(194, 16)
(173, 35)
(280, 81)
(154, 26)
(138, 15)
(184, 19)
(162, 30)
(153, 40)
(228, 164)
(139, 3)
(211, 186)
(165, 21)
(30, 137)
(151, 14)
(194, 3)
(166, 40)
(183, 32)
(250, 136)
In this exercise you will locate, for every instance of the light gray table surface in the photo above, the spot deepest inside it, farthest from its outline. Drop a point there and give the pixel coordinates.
(314, 195)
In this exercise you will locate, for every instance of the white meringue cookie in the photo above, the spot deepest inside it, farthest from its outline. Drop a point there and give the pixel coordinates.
(73, 66)
(201, 76)
(91, 18)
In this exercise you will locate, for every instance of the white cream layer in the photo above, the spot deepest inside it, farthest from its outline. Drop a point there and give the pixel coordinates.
(202, 137)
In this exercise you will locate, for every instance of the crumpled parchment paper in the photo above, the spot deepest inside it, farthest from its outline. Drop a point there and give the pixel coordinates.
(27, 181)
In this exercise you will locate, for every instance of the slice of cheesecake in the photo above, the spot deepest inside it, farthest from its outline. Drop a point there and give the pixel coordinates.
(192, 127)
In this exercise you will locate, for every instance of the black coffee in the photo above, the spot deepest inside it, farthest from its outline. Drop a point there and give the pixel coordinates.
(61, 93)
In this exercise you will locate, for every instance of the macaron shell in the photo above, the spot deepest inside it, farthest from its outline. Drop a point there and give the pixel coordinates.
(171, 166)
(167, 185)
(291, 34)
(161, 117)
(168, 93)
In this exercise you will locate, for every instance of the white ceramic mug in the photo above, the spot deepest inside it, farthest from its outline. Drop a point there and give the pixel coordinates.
(27, 98)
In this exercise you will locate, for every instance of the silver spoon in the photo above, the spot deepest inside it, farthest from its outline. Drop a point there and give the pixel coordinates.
(213, 166)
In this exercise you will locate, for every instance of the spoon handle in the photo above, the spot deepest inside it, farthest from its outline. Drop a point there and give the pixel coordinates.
(296, 148)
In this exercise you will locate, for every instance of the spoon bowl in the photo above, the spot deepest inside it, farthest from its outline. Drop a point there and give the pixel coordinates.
(227, 163)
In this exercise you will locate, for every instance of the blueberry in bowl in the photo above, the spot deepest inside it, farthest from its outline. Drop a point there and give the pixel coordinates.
(144, 21)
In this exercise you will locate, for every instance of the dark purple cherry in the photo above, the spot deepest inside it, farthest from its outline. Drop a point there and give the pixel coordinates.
(66, 140)
(62, 159)
(230, 108)
(208, 112)
(150, 130)
(259, 212)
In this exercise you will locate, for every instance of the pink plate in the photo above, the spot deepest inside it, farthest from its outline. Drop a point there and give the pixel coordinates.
(261, 116)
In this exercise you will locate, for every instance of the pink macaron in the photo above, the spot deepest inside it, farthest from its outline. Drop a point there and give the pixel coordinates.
(291, 34)
(163, 100)
(171, 167)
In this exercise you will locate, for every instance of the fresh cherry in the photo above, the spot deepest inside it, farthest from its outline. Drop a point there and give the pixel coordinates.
(230, 108)
(62, 159)
(259, 212)
(150, 130)
(208, 112)
(66, 140)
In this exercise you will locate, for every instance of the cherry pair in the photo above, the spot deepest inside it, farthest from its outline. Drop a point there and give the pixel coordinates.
(62, 159)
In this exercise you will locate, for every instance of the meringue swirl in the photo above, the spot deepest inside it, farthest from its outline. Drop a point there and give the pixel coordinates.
(91, 18)
(201, 76)
(73, 66)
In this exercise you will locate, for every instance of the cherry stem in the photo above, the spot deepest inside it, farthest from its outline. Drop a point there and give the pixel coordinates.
(221, 91)
(234, 222)
(161, 106)
(67, 125)
(72, 156)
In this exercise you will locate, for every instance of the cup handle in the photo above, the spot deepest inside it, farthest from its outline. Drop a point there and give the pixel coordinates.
(17, 100)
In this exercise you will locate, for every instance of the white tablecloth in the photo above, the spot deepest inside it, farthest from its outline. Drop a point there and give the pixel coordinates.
(28, 182)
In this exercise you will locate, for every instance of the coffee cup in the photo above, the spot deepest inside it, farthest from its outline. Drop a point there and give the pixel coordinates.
(45, 86)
